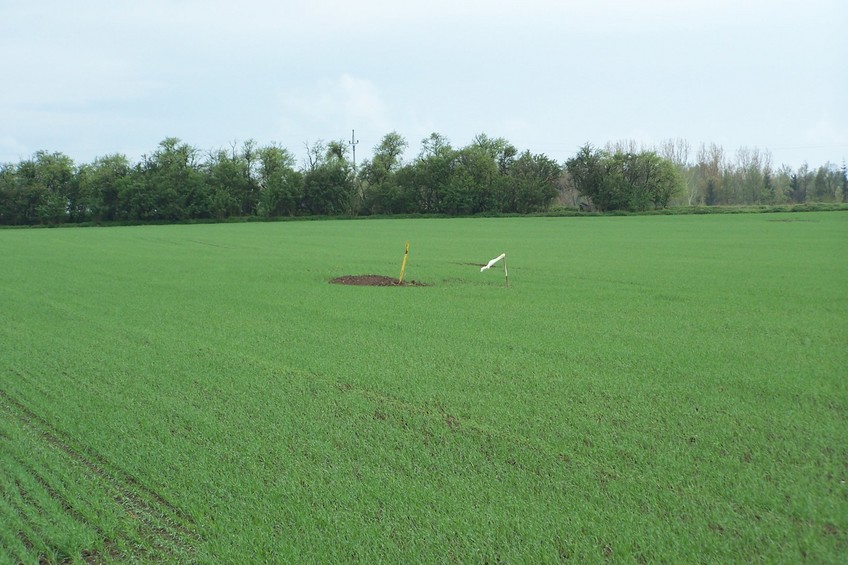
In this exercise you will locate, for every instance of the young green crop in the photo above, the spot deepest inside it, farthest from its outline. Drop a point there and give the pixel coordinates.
(666, 388)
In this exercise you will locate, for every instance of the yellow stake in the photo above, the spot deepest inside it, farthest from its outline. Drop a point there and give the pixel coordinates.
(403, 265)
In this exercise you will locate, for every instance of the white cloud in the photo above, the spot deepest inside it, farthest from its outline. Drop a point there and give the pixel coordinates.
(825, 133)
(337, 105)
(12, 150)
(110, 76)
(361, 100)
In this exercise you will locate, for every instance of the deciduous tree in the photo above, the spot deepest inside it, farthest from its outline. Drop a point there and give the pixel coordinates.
(329, 187)
(100, 186)
(281, 186)
(530, 185)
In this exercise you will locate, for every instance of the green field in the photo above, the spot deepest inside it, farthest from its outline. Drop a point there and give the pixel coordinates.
(650, 389)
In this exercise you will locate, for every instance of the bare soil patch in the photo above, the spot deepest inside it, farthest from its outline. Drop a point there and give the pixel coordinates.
(373, 280)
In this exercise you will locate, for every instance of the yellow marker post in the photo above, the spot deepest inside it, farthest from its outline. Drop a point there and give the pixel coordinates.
(403, 265)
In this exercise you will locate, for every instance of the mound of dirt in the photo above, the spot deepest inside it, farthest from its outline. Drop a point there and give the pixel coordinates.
(373, 280)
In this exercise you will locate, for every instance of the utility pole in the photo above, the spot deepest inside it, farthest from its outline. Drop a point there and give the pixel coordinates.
(353, 141)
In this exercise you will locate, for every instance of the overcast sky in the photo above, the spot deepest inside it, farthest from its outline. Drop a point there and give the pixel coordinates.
(97, 77)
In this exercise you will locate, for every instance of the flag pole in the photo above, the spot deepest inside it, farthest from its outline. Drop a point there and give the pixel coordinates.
(506, 273)
(403, 265)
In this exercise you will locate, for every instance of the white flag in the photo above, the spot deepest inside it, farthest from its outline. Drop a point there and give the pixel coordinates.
(492, 262)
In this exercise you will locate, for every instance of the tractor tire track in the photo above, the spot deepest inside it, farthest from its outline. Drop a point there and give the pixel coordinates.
(165, 530)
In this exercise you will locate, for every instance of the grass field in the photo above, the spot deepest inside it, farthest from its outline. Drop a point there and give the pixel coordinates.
(650, 389)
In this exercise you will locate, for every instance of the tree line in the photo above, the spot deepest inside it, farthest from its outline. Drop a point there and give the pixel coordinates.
(716, 178)
(177, 182)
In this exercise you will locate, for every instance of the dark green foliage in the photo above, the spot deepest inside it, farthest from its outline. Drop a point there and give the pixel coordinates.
(381, 192)
(482, 177)
(100, 185)
(136, 201)
(471, 186)
(710, 198)
(531, 184)
(427, 179)
(8, 190)
(798, 185)
(41, 190)
(386, 197)
(624, 181)
(488, 176)
(329, 189)
(228, 179)
(588, 175)
(280, 185)
(168, 185)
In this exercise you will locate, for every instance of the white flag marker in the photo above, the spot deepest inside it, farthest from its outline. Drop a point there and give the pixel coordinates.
(491, 263)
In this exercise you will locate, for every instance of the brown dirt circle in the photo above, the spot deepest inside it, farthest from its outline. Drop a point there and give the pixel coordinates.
(373, 280)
